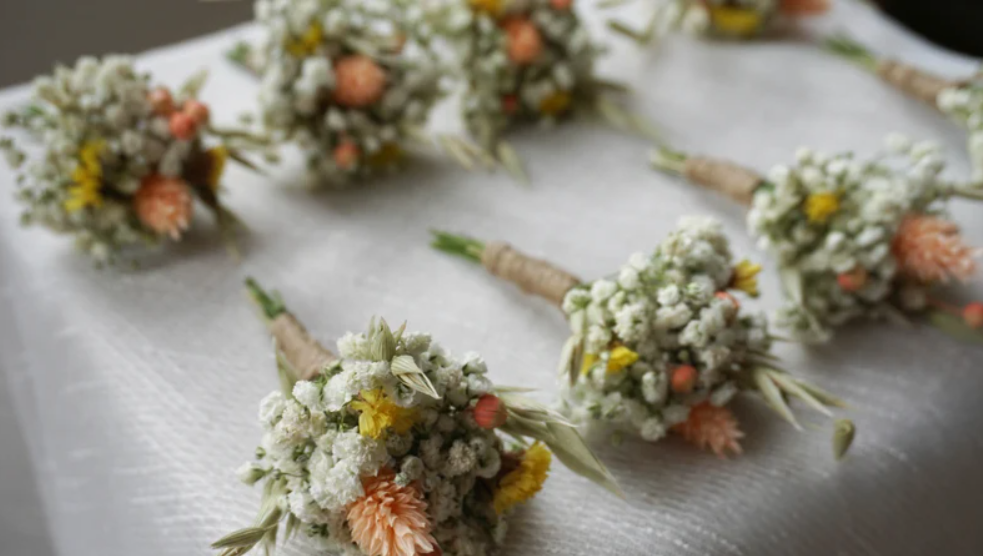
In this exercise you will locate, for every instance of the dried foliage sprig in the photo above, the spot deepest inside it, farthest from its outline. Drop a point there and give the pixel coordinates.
(961, 100)
(728, 19)
(852, 238)
(122, 162)
(663, 346)
(392, 446)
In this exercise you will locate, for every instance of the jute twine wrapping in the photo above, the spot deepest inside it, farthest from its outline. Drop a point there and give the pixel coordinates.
(913, 81)
(304, 353)
(534, 276)
(736, 182)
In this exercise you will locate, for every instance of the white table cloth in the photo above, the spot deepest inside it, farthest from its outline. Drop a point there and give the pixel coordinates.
(137, 391)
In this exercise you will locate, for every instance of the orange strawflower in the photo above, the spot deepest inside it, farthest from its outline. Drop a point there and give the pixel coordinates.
(524, 41)
(360, 81)
(798, 8)
(930, 249)
(711, 427)
(164, 205)
(391, 520)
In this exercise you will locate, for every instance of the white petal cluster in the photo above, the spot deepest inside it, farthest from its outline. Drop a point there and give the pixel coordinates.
(725, 18)
(304, 40)
(96, 102)
(665, 309)
(872, 198)
(313, 445)
(965, 105)
(502, 92)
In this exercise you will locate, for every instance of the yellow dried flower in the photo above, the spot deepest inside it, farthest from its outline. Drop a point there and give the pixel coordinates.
(620, 359)
(379, 414)
(87, 177)
(217, 157)
(555, 104)
(819, 207)
(746, 278)
(493, 7)
(739, 22)
(524, 482)
(306, 44)
(388, 155)
(588, 362)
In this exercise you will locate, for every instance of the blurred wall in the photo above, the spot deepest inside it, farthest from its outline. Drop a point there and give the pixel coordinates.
(35, 34)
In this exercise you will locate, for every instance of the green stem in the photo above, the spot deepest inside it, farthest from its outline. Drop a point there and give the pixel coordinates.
(460, 246)
(667, 160)
(269, 303)
(849, 49)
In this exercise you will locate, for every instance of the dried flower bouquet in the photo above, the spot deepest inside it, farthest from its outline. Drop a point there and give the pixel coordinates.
(122, 161)
(525, 62)
(961, 100)
(853, 239)
(731, 19)
(662, 346)
(349, 81)
(392, 446)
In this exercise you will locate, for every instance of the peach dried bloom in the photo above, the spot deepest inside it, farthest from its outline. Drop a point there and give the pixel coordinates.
(164, 205)
(182, 126)
(524, 41)
(711, 428)
(973, 314)
(346, 155)
(930, 249)
(390, 520)
(197, 110)
(360, 81)
(804, 7)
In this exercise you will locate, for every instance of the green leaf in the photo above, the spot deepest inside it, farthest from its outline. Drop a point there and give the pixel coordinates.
(571, 449)
(793, 388)
(773, 395)
(528, 408)
(192, 87)
(234, 154)
(510, 159)
(955, 327)
(243, 538)
(288, 374)
(404, 368)
(458, 153)
(292, 524)
(792, 283)
(844, 432)
(382, 343)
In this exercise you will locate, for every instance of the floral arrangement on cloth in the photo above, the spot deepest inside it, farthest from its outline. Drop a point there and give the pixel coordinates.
(662, 346)
(962, 100)
(392, 447)
(525, 61)
(344, 79)
(123, 162)
(852, 238)
(731, 19)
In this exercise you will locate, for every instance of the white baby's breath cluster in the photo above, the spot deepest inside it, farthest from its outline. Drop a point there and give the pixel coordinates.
(522, 60)
(724, 18)
(965, 104)
(830, 215)
(316, 451)
(101, 138)
(301, 89)
(669, 309)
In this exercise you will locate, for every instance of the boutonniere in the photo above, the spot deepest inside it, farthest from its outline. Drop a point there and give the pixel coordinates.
(123, 161)
(663, 345)
(351, 83)
(852, 238)
(393, 447)
(961, 100)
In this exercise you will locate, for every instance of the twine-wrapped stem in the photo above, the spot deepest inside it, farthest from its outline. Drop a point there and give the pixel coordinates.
(729, 179)
(532, 275)
(306, 355)
(915, 82)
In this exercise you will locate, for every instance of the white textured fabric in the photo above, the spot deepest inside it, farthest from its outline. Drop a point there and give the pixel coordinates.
(137, 391)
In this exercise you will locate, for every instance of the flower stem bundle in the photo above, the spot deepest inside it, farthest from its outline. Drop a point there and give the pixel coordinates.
(123, 162)
(961, 100)
(853, 239)
(392, 446)
(662, 346)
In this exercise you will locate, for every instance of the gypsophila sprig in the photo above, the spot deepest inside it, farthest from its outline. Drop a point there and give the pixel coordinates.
(123, 162)
(525, 62)
(662, 345)
(964, 103)
(859, 238)
(740, 19)
(391, 448)
(347, 80)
